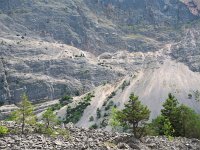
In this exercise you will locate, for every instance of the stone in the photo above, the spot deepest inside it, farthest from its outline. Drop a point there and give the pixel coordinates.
(122, 146)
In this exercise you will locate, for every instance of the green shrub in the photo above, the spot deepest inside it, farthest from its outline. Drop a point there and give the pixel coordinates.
(65, 100)
(94, 126)
(3, 130)
(103, 123)
(91, 118)
(112, 95)
(56, 107)
(53, 132)
(105, 103)
(177, 120)
(98, 113)
(124, 84)
(63, 133)
(190, 96)
(74, 114)
(110, 104)
(105, 115)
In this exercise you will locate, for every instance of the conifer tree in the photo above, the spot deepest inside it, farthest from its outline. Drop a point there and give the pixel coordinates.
(169, 111)
(24, 115)
(49, 118)
(134, 115)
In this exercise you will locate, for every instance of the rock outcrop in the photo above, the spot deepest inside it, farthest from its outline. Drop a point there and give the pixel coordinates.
(49, 49)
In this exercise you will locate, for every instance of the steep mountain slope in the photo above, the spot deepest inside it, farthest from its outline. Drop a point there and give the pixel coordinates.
(152, 86)
(193, 5)
(52, 48)
(47, 70)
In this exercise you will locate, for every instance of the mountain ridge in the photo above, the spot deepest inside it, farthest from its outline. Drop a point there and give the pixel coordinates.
(50, 49)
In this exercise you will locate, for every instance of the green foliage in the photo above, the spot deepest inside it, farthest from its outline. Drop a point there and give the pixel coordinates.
(3, 130)
(162, 126)
(197, 95)
(56, 107)
(177, 120)
(190, 96)
(24, 115)
(134, 116)
(64, 133)
(91, 118)
(94, 126)
(124, 85)
(53, 132)
(104, 103)
(103, 123)
(74, 114)
(169, 110)
(188, 124)
(169, 107)
(105, 115)
(49, 118)
(110, 104)
(65, 100)
(167, 128)
(98, 113)
(113, 121)
(112, 95)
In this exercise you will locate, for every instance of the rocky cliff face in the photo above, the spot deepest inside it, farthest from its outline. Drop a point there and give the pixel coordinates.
(51, 48)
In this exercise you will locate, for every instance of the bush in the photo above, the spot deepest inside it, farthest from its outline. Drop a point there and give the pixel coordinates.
(124, 84)
(74, 114)
(53, 132)
(189, 96)
(106, 115)
(3, 130)
(63, 133)
(94, 126)
(105, 103)
(91, 118)
(98, 113)
(103, 123)
(65, 100)
(110, 104)
(56, 107)
(177, 120)
(111, 95)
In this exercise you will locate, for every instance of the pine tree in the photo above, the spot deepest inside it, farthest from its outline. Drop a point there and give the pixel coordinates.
(49, 118)
(162, 126)
(170, 109)
(24, 114)
(188, 122)
(177, 120)
(134, 115)
(113, 121)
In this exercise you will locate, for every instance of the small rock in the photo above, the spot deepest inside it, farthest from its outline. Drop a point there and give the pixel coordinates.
(122, 146)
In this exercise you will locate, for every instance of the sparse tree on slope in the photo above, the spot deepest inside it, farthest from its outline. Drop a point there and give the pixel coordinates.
(134, 115)
(170, 109)
(24, 115)
(49, 118)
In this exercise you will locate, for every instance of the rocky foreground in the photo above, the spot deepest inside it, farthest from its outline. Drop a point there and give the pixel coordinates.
(82, 139)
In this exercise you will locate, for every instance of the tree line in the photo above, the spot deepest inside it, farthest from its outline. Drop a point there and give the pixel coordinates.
(175, 119)
(24, 116)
